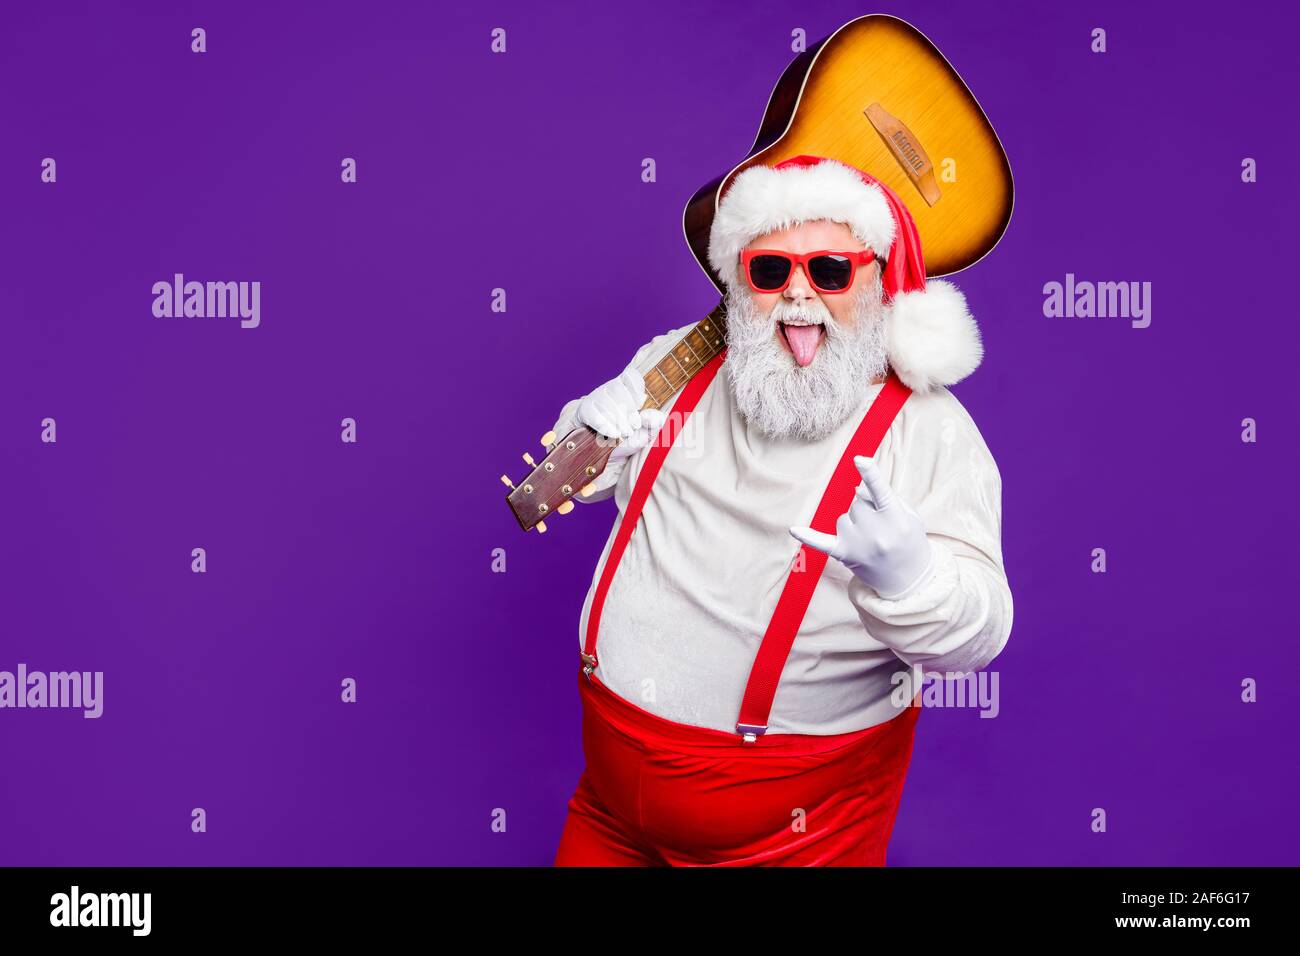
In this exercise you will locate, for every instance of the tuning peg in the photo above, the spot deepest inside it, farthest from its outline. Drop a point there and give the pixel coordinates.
(509, 484)
(541, 527)
(529, 458)
(588, 490)
(564, 507)
(548, 439)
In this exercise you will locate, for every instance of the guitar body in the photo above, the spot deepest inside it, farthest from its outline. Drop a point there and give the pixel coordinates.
(877, 95)
(820, 108)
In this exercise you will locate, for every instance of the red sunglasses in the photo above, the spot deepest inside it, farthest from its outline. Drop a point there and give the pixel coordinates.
(770, 270)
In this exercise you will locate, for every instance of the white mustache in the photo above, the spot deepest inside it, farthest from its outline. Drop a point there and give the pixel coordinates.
(790, 314)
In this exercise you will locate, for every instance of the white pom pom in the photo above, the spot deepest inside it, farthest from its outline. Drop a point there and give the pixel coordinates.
(932, 337)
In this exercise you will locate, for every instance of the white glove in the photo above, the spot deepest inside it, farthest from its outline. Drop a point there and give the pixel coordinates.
(614, 411)
(881, 539)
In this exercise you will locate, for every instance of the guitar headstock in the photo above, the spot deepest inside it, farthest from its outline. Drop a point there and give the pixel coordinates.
(571, 464)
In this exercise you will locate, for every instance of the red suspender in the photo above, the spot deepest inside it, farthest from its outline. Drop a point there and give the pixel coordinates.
(649, 471)
(799, 587)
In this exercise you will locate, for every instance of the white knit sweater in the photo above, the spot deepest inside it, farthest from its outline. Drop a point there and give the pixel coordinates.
(699, 580)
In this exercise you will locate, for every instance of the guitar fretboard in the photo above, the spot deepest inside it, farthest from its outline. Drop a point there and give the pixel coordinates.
(691, 353)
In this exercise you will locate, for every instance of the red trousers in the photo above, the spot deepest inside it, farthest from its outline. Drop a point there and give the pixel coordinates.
(659, 793)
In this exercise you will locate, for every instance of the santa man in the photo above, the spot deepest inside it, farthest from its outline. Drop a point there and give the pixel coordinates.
(809, 524)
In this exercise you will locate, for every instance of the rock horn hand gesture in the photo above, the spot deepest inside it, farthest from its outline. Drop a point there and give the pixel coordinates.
(881, 538)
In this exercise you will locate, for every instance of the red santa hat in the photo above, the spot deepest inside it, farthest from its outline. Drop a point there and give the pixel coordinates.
(930, 335)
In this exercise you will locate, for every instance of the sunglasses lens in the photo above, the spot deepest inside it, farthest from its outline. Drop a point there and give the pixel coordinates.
(769, 272)
(831, 272)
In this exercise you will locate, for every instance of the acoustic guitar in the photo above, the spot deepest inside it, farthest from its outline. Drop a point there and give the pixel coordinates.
(875, 94)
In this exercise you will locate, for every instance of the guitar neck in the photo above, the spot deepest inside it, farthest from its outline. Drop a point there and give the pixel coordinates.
(692, 352)
(574, 461)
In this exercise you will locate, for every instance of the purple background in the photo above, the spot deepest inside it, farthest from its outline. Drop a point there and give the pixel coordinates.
(372, 560)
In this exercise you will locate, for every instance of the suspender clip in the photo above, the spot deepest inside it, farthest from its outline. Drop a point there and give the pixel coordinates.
(589, 663)
(751, 732)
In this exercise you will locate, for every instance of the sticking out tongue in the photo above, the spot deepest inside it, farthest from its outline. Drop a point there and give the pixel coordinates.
(803, 340)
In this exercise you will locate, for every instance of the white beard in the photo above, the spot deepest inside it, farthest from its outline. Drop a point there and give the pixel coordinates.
(783, 399)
